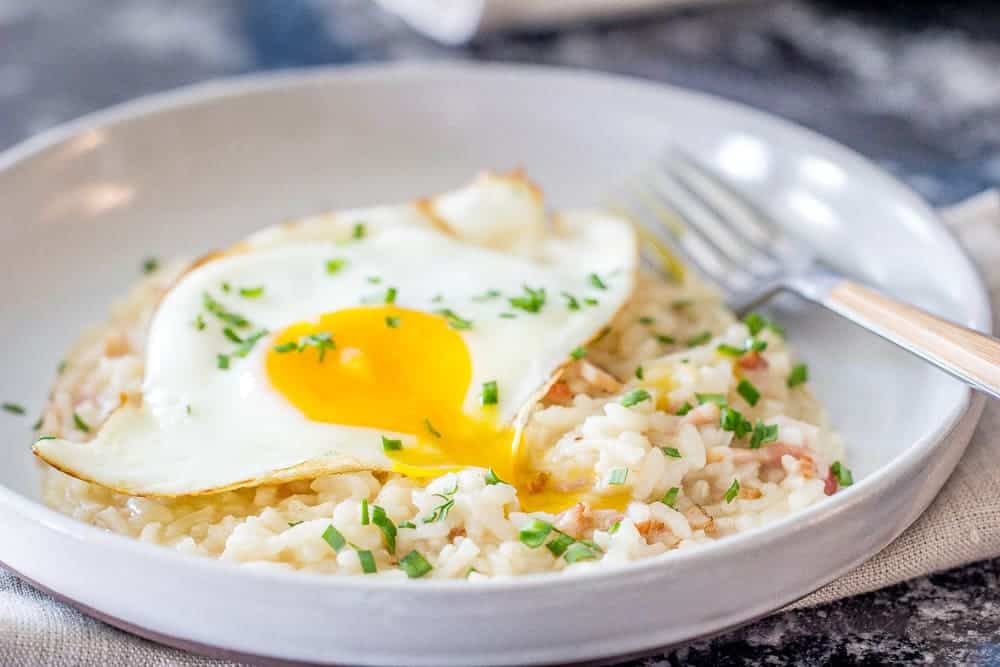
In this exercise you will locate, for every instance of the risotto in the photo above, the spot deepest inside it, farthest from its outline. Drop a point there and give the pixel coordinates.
(686, 476)
(676, 425)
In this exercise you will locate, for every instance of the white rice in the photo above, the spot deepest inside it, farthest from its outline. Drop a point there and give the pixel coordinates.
(282, 526)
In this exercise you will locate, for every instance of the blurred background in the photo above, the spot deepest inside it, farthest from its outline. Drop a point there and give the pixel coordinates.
(912, 84)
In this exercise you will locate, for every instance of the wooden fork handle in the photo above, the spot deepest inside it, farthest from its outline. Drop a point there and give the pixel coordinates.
(966, 354)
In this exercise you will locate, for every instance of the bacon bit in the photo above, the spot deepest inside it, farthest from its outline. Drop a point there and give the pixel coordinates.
(538, 482)
(698, 518)
(456, 532)
(575, 520)
(830, 485)
(747, 493)
(598, 378)
(558, 394)
(717, 454)
(650, 527)
(116, 344)
(752, 360)
(703, 415)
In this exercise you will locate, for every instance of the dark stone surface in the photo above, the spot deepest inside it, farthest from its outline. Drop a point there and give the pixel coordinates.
(913, 85)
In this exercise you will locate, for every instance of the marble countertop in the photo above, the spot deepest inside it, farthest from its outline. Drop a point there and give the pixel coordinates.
(916, 88)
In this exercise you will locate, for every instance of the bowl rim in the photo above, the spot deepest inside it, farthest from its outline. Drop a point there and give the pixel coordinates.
(977, 307)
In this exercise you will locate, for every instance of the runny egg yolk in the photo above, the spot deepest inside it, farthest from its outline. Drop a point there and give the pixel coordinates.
(401, 371)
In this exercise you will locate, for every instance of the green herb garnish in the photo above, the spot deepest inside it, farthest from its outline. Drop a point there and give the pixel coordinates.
(534, 532)
(390, 295)
(365, 516)
(367, 561)
(507, 316)
(700, 339)
(672, 452)
(531, 302)
(749, 392)
(578, 353)
(670, 497)
(491, 393)
(440, 513)
(580, 551)
(391, 445)
(430, 428)
(248, 343)
(681, 304)
(635, 397)
(664, 339)
(286, 347)
(487, 295)
(359, 231)
(734, 421)
(392, 322)
(732, 491)
(614, 527)
(292, 524)
(640, 374)
(799, 375)
(222, 361)
(199, 322)
(335, 265)
(454, 320)
(591, 301)
(718, 399)
(232, 335)
(13, 408)
(149, 265)
(571, 301)
(217, 309)
(46, 437)
(491, 478)
(252, 292)
(595, 281)
(415, 565)
(756, 323)
(729, 350)
(684, 409)
(334, 538)
(374, 280)
(559, 545)
(763, 434)
(406, 524)
(842, 473)
(322, 341)
(385, 524)
(617, 476)
(647, 320)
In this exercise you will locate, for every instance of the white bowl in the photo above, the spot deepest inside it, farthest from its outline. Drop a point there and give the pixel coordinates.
(184, 172)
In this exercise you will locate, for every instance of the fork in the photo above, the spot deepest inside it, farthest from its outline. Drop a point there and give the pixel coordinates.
(679, 205)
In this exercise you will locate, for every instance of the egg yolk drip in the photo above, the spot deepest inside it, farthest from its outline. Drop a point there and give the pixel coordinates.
(401, 371)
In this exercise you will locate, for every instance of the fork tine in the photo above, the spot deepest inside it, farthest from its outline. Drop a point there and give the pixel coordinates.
(739, 213)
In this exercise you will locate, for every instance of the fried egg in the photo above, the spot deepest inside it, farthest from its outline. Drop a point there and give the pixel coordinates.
(413, 338)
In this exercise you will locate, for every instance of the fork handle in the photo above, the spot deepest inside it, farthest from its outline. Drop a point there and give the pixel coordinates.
(966, 354)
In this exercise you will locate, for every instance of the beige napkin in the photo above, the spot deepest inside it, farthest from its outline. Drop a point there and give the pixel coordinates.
(457, 21)
(962, 525)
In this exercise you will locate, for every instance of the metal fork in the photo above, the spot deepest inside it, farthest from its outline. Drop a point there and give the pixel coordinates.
(680, 206)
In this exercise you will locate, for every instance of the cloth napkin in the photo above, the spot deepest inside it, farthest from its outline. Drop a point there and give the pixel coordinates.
(961, 525)
(458, 21)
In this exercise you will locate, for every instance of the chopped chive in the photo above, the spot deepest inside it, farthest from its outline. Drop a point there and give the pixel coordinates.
(454, 320)
(729, 350)
(763, 434)
(335, 265)
(578, 353)
(374, 280)
(635, 397)
(37, 425)
(799, 375)
(365, 517)
(718, 399)
(252, 292)
(734, 421)
(756, 323)
(681, 304)
(385, 524)
(591, 301)
(46, 437)
(322, 341)
(647, 320)
(359, 231)
(617, 476)
(415, 565)
(199, 322)
(217, 309)
(248, 343)
(61, 367)
(292, 524)
(406, 524)
(700, 339)
(80, 424)
(232, 335)
(492, 478)
(640, 374)
(187, 408)
(595, 281)
(226, 287)
(491, 393)
(438, 298)
(440, 512)
(571, 301)
(672, 452)
(534, 532)
(390, 295)
(749, 392)
(614, 527)
(367, 561)
(579, 551)
(286, 347)
(13, 408)
(334, 538)
(842, 473)
(531, 302)
(507, 316)
(670, 497)
(222, 361)
(665, 339)
(755, 345)
(391, 445)
(430, 428)
(684, 409)
(392, 322)
(732, 491)
(149, 265)
(487, 295)
(559, 545)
